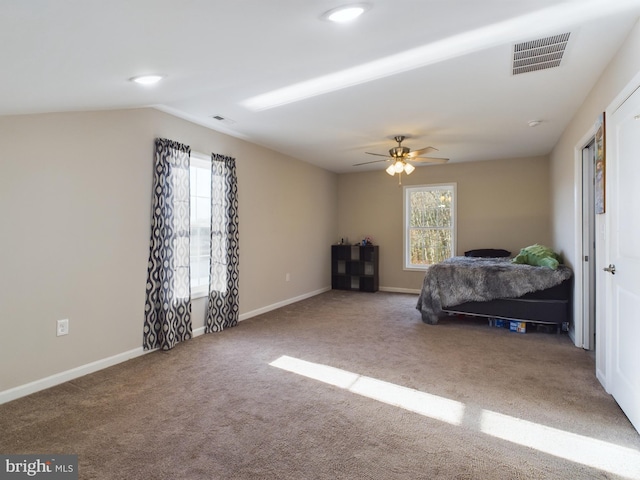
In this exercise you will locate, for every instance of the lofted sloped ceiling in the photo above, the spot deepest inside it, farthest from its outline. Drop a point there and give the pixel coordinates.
(437, 71)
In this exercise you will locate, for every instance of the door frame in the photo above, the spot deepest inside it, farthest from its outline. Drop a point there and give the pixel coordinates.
(581, 327)
(588, 246)
(604, 348)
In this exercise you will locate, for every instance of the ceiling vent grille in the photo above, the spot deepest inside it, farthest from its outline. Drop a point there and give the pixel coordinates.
(222, 119)
(539, 54)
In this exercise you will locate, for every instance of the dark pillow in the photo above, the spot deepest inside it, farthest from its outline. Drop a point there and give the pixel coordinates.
(487, 252)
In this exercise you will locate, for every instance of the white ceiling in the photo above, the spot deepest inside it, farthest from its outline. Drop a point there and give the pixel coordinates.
(458, 96)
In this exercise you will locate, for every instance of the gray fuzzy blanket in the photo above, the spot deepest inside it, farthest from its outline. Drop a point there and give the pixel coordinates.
(470, 279)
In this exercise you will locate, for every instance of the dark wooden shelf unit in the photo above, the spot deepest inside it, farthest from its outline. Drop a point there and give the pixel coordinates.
(354, 267)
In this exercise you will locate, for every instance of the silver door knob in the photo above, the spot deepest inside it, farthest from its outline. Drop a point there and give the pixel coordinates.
(611, 269)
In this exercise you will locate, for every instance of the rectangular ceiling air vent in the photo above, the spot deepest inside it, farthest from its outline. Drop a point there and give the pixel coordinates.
(222, 119)
(539, 54)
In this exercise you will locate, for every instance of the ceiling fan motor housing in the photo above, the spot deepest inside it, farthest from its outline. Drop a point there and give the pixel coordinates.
(399, 156)
(399, 152)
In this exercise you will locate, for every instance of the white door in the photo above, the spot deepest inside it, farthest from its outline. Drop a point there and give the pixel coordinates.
(623, 286)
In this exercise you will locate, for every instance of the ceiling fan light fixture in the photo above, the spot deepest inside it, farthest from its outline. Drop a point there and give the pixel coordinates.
(399, 155)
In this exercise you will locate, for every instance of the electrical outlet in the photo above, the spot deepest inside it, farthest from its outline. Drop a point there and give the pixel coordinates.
(62, 327)
(287, 277)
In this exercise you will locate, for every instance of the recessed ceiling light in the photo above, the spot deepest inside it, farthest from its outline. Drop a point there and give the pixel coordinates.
(346, 13)
(534, 123)
(147, 79)
(556, 17)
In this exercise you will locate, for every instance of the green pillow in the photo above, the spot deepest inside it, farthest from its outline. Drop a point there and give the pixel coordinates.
(539, 256)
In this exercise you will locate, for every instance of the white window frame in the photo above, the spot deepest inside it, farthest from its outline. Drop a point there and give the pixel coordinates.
(199, 160)
(406, 195)
(218, 262)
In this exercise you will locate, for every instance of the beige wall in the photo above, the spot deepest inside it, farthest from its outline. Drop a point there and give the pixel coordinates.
(75, 196)
(75, 193)
(501, 204)
(620, 71)
(565, 184)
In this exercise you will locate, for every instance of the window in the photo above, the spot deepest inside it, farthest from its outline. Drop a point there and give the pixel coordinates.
(429, 225)
(200, 220)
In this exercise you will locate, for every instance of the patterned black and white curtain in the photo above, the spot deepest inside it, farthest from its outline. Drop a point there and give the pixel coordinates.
(168, 301)
(222, 310)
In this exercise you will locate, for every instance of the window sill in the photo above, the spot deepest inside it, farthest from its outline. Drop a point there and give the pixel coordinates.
(416, 269)
(200, 293)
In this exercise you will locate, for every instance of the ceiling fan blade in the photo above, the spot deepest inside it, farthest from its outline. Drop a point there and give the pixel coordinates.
(417, 153)
(377, 154)
(366, 163)
(429, 160)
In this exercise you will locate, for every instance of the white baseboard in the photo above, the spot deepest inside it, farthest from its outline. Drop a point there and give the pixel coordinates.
(602, 378)
(399, 290)
(58, 378)
(283, 303)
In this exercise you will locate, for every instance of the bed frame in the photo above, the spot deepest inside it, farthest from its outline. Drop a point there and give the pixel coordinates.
(552, 306)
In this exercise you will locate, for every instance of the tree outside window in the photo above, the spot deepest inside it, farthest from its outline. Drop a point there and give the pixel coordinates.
(429, 221)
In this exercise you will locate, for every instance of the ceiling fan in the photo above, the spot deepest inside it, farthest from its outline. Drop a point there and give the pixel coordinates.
(399, 156)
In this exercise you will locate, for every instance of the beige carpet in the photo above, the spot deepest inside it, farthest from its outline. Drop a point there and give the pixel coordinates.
(477, 403)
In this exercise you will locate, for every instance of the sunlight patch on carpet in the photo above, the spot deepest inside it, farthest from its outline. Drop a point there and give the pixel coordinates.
(431, 406)
(559, 443)
(570, 446)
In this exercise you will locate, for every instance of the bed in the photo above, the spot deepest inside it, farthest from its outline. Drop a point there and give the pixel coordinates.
(495, 287)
